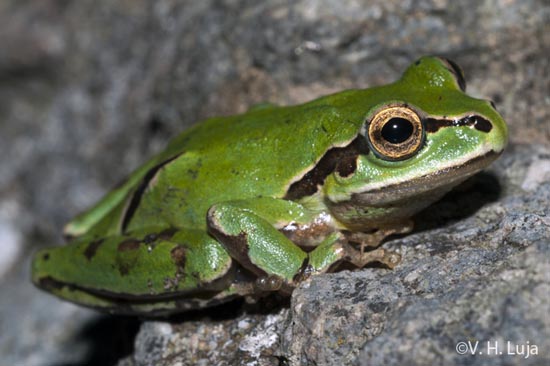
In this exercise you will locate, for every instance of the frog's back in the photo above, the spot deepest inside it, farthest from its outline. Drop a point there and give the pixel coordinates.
(259, 153)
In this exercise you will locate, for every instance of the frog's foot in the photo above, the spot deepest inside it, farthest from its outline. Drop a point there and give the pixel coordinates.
(380, 255)
(375, 238)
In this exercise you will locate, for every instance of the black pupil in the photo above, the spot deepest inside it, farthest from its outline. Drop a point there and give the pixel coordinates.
(397, 130)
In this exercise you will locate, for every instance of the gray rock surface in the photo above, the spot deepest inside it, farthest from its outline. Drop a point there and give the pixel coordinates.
(89, 89)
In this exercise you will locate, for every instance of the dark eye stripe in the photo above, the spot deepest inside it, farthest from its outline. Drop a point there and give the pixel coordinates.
(478, 122)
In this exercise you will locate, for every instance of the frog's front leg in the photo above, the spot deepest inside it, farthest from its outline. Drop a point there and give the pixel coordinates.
(250, 232)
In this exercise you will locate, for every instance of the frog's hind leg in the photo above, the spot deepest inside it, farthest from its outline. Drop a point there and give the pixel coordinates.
(142, 272)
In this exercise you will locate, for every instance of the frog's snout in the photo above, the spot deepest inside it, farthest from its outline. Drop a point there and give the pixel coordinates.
(498, 136)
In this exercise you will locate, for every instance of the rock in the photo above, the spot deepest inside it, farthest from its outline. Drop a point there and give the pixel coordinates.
(245, 339)
(89, 89)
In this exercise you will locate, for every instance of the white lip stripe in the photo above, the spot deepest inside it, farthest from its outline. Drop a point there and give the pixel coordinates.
(414, 174)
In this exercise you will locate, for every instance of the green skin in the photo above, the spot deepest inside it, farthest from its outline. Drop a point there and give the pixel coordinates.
(214, 216)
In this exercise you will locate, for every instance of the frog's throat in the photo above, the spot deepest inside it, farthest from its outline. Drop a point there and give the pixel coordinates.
(442, 180)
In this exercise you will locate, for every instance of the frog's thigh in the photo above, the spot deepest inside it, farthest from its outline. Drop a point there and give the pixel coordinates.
(136, 265)
(249, 231)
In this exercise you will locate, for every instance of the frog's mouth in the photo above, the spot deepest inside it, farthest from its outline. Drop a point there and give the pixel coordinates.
(437, 183)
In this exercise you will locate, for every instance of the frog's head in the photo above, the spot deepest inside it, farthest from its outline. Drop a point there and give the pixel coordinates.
(424, 136)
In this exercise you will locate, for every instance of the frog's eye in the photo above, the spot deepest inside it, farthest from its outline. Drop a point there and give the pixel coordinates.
(395, 133)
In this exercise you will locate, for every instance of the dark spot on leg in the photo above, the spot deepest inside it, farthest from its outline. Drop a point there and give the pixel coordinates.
(128, 244)
(167, 234)
(123, 268)
(127, 255)
(46, 256)
(91, 249)
(178, 255)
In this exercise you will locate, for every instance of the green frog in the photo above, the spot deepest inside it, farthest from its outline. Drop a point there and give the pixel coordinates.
(258, 202)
